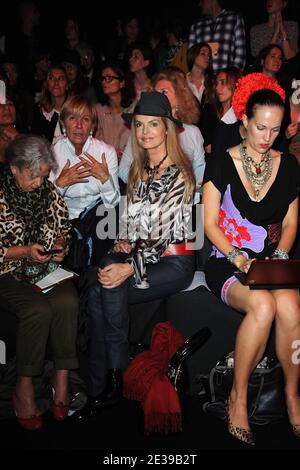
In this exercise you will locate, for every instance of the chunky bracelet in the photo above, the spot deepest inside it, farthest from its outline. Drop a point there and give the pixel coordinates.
(280, 254)
(232, 254)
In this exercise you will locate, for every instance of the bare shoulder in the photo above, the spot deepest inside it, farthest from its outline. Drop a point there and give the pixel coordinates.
(275, 154)
(234, 152)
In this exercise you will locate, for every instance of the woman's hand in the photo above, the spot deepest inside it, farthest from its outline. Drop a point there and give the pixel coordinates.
(243, 263)
(59, 245)
(35, 253)
(74, 174)
(122, 247)
(115, 274)
(98, 169)
(291, 130)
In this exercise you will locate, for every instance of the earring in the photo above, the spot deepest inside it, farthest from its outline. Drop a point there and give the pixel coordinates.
(64, 133)
(91, 135)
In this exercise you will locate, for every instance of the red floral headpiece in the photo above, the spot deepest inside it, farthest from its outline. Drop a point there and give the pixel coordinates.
(247, 85)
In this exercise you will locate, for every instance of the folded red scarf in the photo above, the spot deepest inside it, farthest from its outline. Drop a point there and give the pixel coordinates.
(145, 380)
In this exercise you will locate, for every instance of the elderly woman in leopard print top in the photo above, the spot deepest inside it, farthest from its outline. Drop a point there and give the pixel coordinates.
(33, 219)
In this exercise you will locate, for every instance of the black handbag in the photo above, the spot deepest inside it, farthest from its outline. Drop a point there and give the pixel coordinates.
(266, 400)
(191, 345)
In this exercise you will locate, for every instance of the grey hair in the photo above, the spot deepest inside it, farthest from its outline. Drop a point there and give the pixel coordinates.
(30, 151)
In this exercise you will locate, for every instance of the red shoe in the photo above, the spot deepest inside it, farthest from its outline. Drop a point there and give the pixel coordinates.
(59, 411)
(33, 423)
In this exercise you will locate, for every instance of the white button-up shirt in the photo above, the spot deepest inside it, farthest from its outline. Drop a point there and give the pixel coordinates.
(80, 196)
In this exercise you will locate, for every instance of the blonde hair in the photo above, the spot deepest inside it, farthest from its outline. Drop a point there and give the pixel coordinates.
(175, 154)
(188, 109)
(77, 105)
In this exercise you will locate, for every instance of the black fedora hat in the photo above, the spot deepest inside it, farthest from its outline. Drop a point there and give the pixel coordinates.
(152, 103)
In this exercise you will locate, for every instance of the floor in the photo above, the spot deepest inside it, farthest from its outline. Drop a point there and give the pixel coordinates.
(118, 432)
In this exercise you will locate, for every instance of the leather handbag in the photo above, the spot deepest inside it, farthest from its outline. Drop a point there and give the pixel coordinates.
(266, 400)
(191, 345)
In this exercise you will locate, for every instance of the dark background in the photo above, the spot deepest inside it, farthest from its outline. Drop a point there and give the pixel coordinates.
(98, 18)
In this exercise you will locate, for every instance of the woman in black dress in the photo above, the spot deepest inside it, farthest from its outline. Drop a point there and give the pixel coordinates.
(250, 198)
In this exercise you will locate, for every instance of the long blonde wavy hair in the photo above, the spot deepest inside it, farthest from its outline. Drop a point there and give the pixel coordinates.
(175, 153)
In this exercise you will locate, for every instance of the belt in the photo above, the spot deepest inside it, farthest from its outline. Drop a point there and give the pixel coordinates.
(177, 249)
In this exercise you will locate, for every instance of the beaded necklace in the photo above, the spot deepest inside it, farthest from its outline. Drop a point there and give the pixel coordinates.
(263, 170)
(152, 172)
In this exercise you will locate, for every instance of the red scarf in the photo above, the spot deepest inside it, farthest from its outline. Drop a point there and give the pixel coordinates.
(145, 380)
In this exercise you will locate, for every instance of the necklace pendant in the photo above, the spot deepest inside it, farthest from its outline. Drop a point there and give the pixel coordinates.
(258, 170)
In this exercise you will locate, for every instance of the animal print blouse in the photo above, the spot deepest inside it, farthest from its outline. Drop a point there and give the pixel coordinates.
(12, 228)
(157, 215)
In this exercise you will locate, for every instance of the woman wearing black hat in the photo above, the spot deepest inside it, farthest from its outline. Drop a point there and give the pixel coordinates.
(151, 259)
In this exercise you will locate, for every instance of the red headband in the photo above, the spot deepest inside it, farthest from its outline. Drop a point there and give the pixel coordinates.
(247, 85)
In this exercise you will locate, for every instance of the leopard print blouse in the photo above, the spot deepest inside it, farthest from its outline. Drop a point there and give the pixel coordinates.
(12, 228)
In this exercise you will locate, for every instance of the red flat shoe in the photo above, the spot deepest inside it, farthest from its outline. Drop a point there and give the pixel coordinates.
(34, 423)
(59, 411)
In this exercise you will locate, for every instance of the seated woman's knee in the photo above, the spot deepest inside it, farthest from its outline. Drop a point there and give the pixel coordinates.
(112, 258)
(288, 307)
(262, 307)
(66, 300)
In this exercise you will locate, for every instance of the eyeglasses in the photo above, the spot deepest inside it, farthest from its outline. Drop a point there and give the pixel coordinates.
(109, 78)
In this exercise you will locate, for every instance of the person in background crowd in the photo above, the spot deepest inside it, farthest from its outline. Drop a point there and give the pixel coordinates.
(87, 59)
(72, 64)
(22, 99)
(219, 109)
(200, 75)
(225, 33)
(178, 45)
(54, 93)
(275, 31)
(8, 130)
(141, 64)
(116, 96)
(71, 34)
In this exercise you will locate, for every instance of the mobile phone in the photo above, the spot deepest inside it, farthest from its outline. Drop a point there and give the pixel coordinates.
(53, 251)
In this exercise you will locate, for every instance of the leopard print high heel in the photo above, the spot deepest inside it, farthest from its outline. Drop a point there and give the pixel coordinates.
(239, 433)
(296, 430)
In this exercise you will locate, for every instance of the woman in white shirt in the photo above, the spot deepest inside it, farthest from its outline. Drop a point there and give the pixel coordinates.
(87, 168)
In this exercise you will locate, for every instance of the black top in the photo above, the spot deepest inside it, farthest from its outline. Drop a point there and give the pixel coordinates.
(249, 225)
(42, 126)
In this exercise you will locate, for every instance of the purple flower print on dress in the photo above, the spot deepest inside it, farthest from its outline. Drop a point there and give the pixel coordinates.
(239, 231)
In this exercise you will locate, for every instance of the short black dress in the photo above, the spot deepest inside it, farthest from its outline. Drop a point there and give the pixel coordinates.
(253, 227)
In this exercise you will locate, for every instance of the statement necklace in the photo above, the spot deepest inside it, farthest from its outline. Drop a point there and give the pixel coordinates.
(152, 172)
(263, 170)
